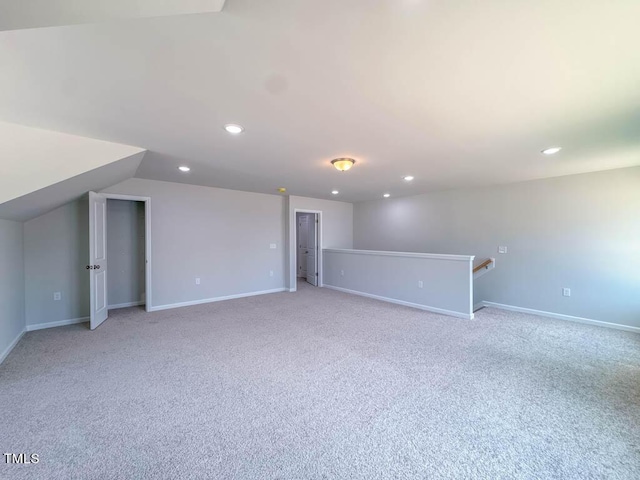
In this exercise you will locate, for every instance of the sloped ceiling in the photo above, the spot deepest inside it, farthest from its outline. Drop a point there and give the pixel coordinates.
(36, 164)
(458, 94)
(19, 14)
(49, 198)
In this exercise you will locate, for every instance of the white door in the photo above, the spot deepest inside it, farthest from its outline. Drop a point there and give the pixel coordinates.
(98, 258)
(312, 250)
(303, 235)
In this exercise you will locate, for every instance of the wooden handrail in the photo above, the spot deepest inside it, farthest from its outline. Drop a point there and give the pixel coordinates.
(484, 264)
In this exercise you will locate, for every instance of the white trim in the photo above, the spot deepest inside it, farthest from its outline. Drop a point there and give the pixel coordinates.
(147, 239)
(434, 256)
(125, 305)
(61, 323)
(11, 346)
(442, 311)
(561, 316)
(216, 299)
(293, 248)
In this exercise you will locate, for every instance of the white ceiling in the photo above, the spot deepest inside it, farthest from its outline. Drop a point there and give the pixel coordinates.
(49, 198)
(16, 14)
(458, 94)
(33, 159)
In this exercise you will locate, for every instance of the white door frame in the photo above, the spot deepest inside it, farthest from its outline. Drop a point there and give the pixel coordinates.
(293, 252)
(147, 240)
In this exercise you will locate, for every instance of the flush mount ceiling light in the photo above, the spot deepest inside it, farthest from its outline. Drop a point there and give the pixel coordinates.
(343, 164)
(334, 192)
(408, 178)
(184, 169)
(551, 150)
(386, 195)
(233, 128)
(282, 190)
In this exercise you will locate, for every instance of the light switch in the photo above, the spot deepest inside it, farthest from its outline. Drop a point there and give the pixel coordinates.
(502, 249)
(272, 246)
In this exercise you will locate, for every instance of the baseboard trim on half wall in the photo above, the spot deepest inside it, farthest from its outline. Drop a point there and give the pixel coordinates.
(61, 323)
(215, 299)
(427, 308)
(11, 346)
(559, 316)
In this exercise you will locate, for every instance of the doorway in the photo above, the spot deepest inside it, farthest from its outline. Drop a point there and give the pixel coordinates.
(126, 254)
(307, 254)
(119, 253)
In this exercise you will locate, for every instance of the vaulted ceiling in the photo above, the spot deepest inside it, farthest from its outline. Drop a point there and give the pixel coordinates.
(457, 94)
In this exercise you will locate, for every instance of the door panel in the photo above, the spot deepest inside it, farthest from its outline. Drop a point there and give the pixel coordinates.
(312, 253)
(98, 258)
(303, 234)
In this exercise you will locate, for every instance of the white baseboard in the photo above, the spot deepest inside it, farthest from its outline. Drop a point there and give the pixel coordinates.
(11, 346)
(560, 316)
(216, 299)
(451, 313)
(61, 323)
(125, 305)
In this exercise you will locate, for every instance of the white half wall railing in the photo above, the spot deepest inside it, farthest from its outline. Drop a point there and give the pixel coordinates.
(437, 283)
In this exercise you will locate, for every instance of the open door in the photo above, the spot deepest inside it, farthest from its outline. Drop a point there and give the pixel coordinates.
(98, 258)
(312, 250)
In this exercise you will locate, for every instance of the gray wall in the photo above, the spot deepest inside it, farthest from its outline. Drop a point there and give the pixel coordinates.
(221, 236)
(125, 252)
(579, 231)
(446, 281)
(56, 247)
(11, 284)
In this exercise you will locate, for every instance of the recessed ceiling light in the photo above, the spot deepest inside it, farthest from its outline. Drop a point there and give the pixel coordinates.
(233, 128)
(408, 178)
(334, 192)
(551, 150)
(184, 169)
(386, 195)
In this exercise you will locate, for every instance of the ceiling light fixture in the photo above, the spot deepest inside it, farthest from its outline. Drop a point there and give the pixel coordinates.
(282, 190)
(334, 192)
(184, 169)
(551, 150)
(386, 195)
(233, 128)
(408, 178)
(343, 164)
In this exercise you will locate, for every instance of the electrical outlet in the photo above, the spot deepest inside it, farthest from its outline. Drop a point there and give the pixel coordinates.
(566, 292)
(271, 273)
(272, 246)
(502, 249)
(197, 280)
(342, 273)
(57, 296)
(420, 284)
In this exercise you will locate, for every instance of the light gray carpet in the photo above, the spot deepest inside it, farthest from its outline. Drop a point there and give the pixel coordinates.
(321, 384)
